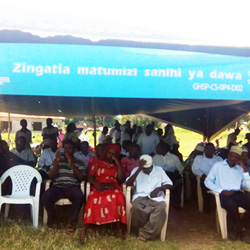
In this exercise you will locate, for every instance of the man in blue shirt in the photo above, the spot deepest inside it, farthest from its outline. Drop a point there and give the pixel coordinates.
(227, 178)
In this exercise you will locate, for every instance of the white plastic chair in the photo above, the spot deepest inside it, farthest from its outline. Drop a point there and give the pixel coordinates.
(21, 177)
(128, 212)
(199, 194)
(63, 202)
(221, 216)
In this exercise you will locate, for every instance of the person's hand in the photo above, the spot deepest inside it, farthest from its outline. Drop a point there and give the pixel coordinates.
(98, 186)
(58, 156)
(142, 163)
(227, 193)
(154, 193)
(240, 163)
(115, 160)
(203, 177)
(69, 158)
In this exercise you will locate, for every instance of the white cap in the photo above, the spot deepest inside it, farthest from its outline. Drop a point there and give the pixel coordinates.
(244, 149)
(199, 147)
(148, 159)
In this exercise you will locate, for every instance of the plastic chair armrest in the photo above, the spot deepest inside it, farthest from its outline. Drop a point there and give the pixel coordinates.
(82, 186)
(3, 178)
(47, 185)
(214, 193)
(128, 194)
(124, 189)
(38, 189)
(246, 189)
(87, 190)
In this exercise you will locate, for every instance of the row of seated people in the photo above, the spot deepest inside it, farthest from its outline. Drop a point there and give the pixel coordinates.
(66, 171)
(105, 173)
(228, 177)
(129, 158)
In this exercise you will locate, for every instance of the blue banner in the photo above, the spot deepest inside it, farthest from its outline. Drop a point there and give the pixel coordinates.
(105, 71)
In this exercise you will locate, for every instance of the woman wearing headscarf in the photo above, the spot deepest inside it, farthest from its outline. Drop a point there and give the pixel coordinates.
(106, 202)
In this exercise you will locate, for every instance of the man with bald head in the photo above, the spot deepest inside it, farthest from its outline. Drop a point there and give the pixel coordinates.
(227, 178)
(148, 202)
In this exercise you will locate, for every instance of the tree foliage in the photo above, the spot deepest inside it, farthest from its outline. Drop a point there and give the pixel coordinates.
(139, 120)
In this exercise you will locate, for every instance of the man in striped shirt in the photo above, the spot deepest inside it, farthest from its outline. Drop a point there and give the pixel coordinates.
(66, 174)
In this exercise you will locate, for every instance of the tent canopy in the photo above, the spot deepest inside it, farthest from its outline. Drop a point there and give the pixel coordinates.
(205, 104)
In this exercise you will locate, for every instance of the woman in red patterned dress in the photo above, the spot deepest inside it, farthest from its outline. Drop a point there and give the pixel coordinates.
(106, 202)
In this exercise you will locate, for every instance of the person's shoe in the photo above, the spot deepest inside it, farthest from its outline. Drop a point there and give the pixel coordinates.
(53, 227)
(141, 238)
(70, 229)
(244, 237)
(233, 236)
(83, 239)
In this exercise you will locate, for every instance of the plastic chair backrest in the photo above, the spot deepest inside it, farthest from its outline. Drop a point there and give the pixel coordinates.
(21, 177)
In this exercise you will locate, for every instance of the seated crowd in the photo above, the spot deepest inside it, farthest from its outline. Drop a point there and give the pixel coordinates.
(148, 161)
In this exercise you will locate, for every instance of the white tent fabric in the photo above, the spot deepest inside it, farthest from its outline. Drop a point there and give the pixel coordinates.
(218, 27)
(194, 22)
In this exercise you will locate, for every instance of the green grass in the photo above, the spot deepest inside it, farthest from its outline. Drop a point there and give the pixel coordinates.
(187, 229)
(188, 139)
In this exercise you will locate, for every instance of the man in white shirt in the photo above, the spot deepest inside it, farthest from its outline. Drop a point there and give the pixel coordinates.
(245, 158)
(84, 136)
(148, 141)
(102, 136)
(172, 166)
(47, 158)
(25, 155)
(148, 202)
(227, 178)
(125, 135)
(24, 132)
(117, 134)
(49, 132)
(112, 130)
(84, 154)
(201, 166)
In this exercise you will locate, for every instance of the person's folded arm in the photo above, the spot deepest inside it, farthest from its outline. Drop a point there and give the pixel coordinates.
(210, 180)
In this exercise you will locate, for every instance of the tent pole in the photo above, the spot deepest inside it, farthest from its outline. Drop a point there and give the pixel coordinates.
(8, 126)
(236, 125)
(208, 137)
(94, 119)
(103, 120)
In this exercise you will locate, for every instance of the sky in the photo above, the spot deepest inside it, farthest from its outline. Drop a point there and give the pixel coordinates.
(195, 22)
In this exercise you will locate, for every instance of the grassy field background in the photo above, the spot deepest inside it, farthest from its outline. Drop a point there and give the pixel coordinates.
(188, 139)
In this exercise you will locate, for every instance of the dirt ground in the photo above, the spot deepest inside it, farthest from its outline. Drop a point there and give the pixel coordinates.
(191, 229)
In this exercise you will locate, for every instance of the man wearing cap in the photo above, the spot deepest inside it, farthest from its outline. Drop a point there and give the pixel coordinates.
(247, 145)
(227, 178)
(201, 167)
(148, 202)
(245, 158)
